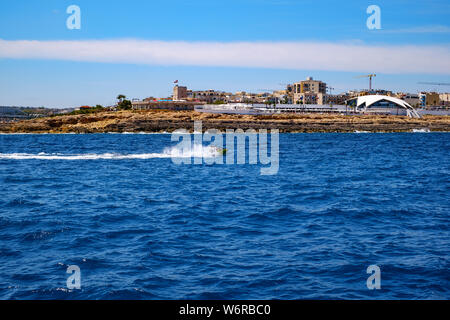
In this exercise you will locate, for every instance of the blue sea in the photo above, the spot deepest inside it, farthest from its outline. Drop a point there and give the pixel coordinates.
(139, 226)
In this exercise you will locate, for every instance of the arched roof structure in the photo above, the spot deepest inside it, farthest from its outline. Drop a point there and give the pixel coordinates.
(365, 102)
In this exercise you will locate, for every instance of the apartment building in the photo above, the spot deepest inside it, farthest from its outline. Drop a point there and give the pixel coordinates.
(309, 91)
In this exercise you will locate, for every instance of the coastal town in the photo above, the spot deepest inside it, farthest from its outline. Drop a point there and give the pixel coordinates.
(309, 91)
(304, 106)
(306, 96)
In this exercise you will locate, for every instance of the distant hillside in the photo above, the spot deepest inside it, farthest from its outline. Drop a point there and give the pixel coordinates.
(12, 113)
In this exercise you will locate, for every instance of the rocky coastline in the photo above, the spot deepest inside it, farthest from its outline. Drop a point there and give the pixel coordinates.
(168, 121)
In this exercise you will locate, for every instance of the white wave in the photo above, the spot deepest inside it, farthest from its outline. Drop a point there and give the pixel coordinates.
(196, 151)
(88, 156)
(172, 152)
(423, 130)
(358, 131)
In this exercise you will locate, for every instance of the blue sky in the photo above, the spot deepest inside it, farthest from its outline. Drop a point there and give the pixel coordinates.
(35, 76)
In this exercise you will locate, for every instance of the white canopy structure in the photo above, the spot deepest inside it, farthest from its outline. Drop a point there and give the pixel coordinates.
(383, 104)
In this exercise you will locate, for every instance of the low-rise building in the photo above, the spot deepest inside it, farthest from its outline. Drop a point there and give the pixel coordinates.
(410, 98)
(429, 99)
(164, 104)
(282, 96)
(444, 99)
(208, 96)
(337, 99)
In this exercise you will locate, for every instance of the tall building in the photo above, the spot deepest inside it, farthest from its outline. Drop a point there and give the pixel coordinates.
(310, 91)
(310, 86)
(179, 93)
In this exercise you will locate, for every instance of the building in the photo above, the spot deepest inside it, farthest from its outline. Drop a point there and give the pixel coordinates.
(310, 86)
(359, 93)
(281, 96)
(179, 93)
(208, 96)
(444, 99)
(309, 91)
(310, 98)
(337, 99)
(410, 98)
(164, 105)
(379, 104)
(429, 99)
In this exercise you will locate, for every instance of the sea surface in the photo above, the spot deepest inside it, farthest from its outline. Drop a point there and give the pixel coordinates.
(140, 226)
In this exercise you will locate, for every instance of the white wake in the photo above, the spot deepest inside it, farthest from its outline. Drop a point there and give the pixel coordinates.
(172, 152)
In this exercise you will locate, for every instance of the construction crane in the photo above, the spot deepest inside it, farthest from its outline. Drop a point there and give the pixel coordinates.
(435, 83)
(370, 76)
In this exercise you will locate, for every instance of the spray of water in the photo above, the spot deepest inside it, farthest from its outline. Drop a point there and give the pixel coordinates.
(171, 152)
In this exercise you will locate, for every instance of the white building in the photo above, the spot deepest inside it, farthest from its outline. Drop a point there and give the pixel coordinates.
(379, 104)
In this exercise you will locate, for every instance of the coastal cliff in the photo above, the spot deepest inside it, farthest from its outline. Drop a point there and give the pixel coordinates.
(168, 121)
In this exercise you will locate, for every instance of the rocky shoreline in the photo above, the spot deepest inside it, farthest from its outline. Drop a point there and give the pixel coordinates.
(168, 121)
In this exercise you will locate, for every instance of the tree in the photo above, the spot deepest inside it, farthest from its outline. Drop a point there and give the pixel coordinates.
(124, 105)
(121, 97)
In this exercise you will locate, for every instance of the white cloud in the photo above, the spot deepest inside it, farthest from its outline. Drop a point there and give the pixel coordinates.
(284, 55)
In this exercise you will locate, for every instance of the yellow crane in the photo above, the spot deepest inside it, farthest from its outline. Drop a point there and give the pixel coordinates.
(370, 76)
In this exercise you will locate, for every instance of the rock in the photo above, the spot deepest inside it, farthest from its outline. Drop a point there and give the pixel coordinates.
(163, 120)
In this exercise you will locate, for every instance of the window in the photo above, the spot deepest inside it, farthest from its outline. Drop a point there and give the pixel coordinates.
(384, 104)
